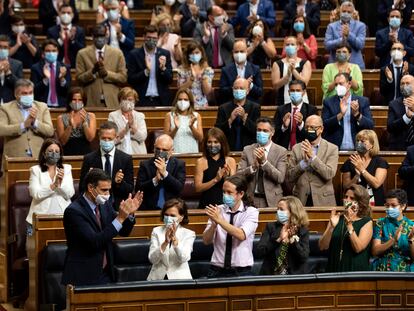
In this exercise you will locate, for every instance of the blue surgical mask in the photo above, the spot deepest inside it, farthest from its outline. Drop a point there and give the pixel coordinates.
(299, 26)
(51, 57)
(4, 53)
(113, 15)
(282, 216)
(229, 200)
(393, 212)
(290, 50)
(346, 17)
(395, 22)
(262, 138)
(296, 97)
(239, 94)
(26, 101)
(170, 220)
(341, 57)
(107, 145)
(195, 58)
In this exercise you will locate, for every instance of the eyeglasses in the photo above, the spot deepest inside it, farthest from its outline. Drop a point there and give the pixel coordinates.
(312, 128)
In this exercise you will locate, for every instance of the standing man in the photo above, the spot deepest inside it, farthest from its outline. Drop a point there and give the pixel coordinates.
(10, 71)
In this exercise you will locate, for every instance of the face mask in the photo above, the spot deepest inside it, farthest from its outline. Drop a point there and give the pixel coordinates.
(397, 55)
(290, 50)
(127, 105)
(52, 157)
(393, 212)
(4, 53)
(283, 216)
(341, 57)
(195, 58)
(229, 200)
(183, 105)
(51, 57)
(18, 29)
(257, 30)
(181, 1)
(26, 101)
(101, 199)
(150, 44)
(240, 57)
(113, 15)
(161, 154)
(239, 94)
(311, 135)
(299, 26)
(76, 106)
(346, 17)
(164, 29)
(107, 145)
(262, 138)
(100, 42)
(349, 204)
(170, 220)
(395, 22)
(406, 90)
(341, 90)
(213, 150)
(361, 148)
(169, 2)
(219, 20)
(296, 97)
(66, 18)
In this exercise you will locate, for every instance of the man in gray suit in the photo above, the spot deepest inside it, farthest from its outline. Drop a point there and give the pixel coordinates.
(216, 36)
(264, 166)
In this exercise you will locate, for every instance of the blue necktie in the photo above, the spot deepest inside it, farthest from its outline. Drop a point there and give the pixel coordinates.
(161, 197)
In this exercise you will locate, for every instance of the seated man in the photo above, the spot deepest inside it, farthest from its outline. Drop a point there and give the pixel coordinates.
(312, 166)
(237, 119)
(231, 228)
(24, 123)
(386, 37)
(90, 225)
(150, 71)
(400, 121)
(384, 6)
(116, 164)
(10, 71)
(307, 9)
(344, 114)
(264, 166)
(240, 68)
(290, 118)
(406, 173)
(346, 30)
(161, 177)
(50, 76)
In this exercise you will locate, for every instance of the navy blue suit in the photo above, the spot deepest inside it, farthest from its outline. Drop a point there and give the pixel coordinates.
(406, 173)
(383, 44)
(128, 29)
(75, 45)
(7, 89)
(396, 126)
(48, 13)
(334, 130)
(229, 75)
(391, 90)
(41, 91)
(87, 242)
(265, 11)
(139, 81)
(385, 5)
(312, 15)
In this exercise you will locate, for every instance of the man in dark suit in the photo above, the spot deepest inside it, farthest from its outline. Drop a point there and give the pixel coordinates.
(71, 38)
(394, 33)
(344, 115)
(49, 12)
(400, 121)
(391, 74)
(237, 119)
(290, 118)
(150, 71)
(406, 173)
(192, 12)
(405, 6)
(161, 177)
(308, 9)
(11, 70)
(241, 68)
(90, 225)
(50, 77)
(116, 164)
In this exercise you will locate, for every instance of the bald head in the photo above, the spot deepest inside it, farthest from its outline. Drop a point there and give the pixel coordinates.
(241, 83)
(164, 140)
(314, 120)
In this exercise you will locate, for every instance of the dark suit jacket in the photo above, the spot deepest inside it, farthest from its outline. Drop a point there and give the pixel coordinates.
(139, 81)
(312, 15)
(269, 249)
(187, 23)
(334, 130)
(383, 44)
(248, 130)
(7, 89)
(385, 5)
(87, 242)
(122, 161)
(48, 14)
(23, 54)
(229, 75)
(388, 89)
(173, 184)
(77, 44)
(283, 138)
(396, 126)
(128, 29)
(41, 91)
(406, 172)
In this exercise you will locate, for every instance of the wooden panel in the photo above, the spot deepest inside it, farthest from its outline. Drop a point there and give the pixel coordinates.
(316, 301)
(356, 300)
(3, 277)
(212, 305)
(242, 304)
(128, 307)
(177, 306)
(276, 303)
(390, 300)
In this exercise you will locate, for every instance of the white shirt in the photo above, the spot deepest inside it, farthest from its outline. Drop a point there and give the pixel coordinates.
(253, 8)
(241, 69)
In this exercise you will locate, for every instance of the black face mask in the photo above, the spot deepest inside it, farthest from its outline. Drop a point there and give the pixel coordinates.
(52, 157)
(99, 42)
(161, 154)
(361, 148)
(213, 150)
(311, 135)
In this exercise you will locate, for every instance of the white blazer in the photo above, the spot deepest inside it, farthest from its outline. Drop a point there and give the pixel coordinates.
(173, 262)
(44, 199)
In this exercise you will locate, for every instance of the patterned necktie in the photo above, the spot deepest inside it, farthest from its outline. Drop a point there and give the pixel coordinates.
(66, 58)
(410, 134)
(216, 61)
(293, 129)
(53, 97)
(99, 221)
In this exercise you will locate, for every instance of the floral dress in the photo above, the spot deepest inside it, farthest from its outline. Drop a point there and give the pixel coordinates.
(200, 99)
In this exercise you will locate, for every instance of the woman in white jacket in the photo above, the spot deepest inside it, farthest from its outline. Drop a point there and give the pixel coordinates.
(171, 244)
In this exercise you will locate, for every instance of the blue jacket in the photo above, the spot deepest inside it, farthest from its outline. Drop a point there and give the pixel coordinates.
(128, 29)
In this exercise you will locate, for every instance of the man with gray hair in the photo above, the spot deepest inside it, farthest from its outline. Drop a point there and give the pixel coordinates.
(346, 30)
(24, 123)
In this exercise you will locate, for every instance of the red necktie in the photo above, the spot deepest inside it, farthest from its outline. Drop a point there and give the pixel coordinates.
(216, 62)
(98, 220)
(293, 129)
(53, 97)
(66, 58)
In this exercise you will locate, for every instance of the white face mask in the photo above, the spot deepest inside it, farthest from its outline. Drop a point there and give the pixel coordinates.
(219, 20)
(341, 90)
(397, 55)
(169, 2)
(101, 199)
(183, 104)
(18, 29)
(257, 30)
(240, 57)
(127, 105)
(66, 18)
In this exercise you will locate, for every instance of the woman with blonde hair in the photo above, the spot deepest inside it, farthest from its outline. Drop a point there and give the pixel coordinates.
(366, 168)
(167, 39)
(284, 243)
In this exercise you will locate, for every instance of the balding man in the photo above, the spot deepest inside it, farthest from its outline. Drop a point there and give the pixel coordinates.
(400, 124)
(241, 68)
(162, 177)
(237, 119)
(312, 166)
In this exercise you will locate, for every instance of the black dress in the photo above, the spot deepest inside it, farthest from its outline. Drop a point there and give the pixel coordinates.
(376, 162)
(77, 143)
(259, 57)
(214, 195)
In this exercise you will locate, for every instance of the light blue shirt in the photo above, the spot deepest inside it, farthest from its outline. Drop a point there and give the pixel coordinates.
(115, 222)
(152, 89)
(347, 140)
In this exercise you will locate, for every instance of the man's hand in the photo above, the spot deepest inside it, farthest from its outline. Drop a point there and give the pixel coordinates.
(148, 63)
(213, 212)
(345, 30)
(393, 36)
(388, 73)
(194, 10)
(119, 177)
(25, 38)
(102, 72)
(252, 18)
(161, 166)
(31, 118)
(355, 108)
(163, 62)
(207, 31)
(129, 206)
(62, 72)
(260, 154)
(46, 71)
(307, 149)
(286, 120)
(298, 116)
